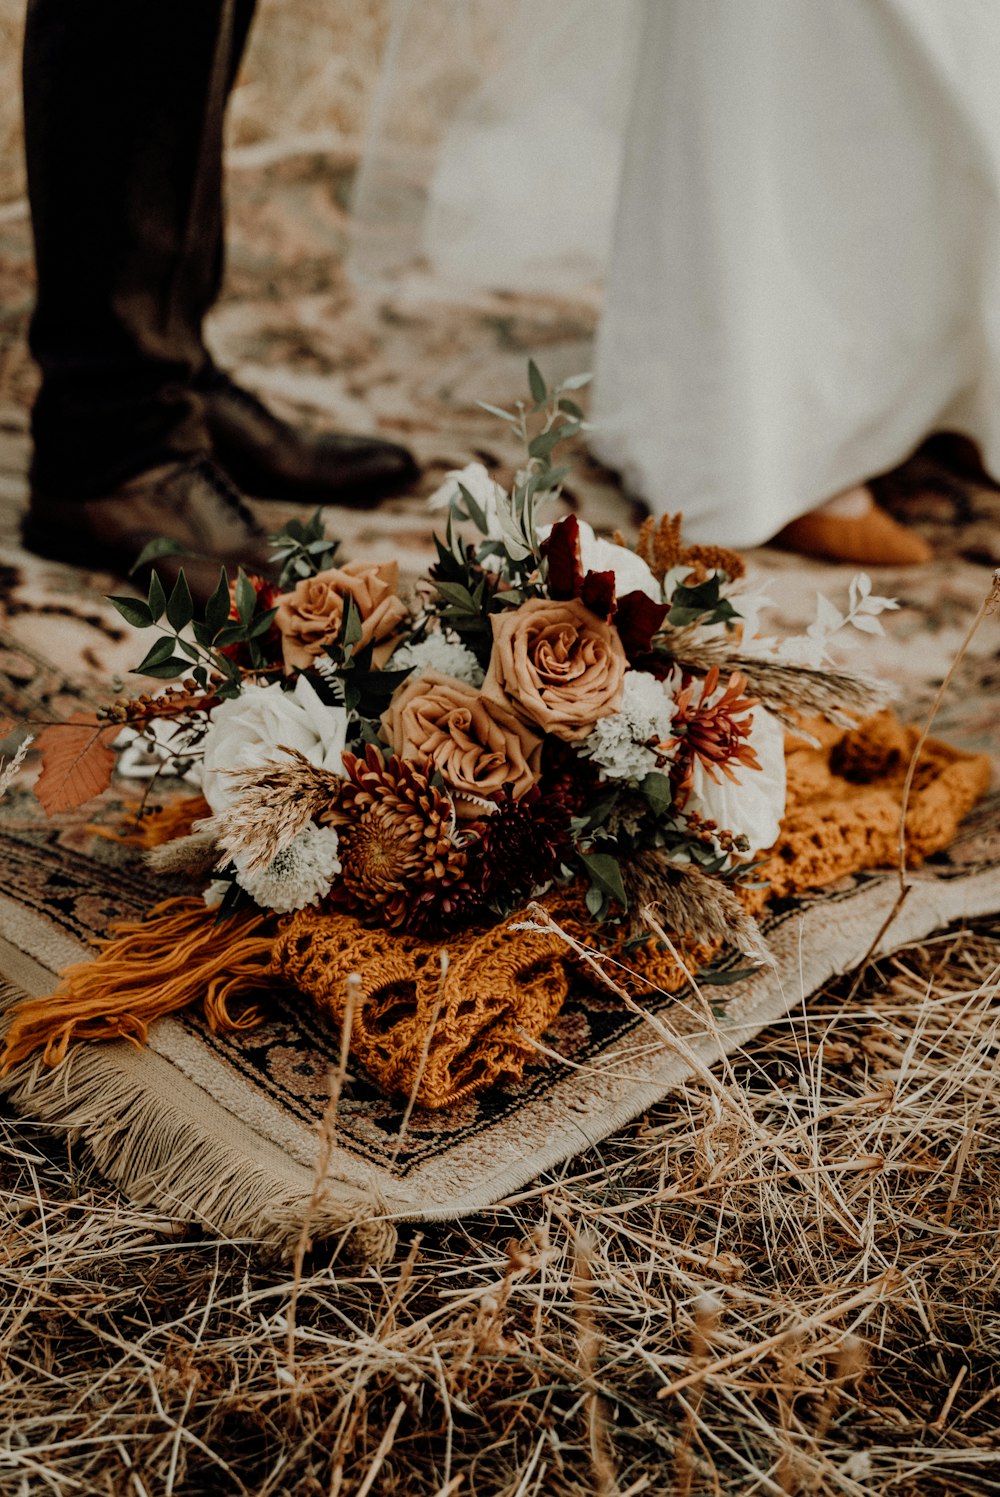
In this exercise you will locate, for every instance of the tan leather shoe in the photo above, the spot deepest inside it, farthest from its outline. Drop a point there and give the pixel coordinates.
(190, 502)
(873, 539)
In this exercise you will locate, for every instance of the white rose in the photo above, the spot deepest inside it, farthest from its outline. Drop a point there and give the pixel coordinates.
(484, 489)
(250, 730)
(631, 572)
(756, 804)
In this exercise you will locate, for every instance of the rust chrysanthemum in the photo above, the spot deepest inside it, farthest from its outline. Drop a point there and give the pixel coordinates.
(713, 729)
(400, 848)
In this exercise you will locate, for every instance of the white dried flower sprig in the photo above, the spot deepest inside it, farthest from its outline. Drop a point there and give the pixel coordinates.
(9, 770)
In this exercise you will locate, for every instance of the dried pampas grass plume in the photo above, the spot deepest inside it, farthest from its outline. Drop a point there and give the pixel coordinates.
(270, 806)
(687, 901)
(196, 855)
(788, 691)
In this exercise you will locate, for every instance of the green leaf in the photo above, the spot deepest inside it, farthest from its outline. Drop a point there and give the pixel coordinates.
(458, 596)
(262, 624)
(476, 512)
(233, 634)
(161, 651)
(658, 791)
(576, 382)
(168, 669)
(571, 408)
(710, 978)
(350, 629)
(134, 611)
(246, 598)
(217, 607)
(160, 547)
(539, 389)
(180, 609)
(597, 902)
(606, 874)
(157, 598)
(542, 445)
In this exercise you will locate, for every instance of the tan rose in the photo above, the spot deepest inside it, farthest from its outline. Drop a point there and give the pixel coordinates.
(478, 746)
(557, 664)
(310, 616)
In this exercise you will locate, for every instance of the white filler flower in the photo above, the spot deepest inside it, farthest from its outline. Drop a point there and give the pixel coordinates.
(300, 874)
(249, 732)
(618, 742)
(439, 652)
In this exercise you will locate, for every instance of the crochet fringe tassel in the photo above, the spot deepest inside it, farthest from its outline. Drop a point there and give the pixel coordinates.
(149, 968)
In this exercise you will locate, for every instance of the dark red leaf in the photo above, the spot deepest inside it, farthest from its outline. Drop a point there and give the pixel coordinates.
(562, 550)
(598, 592)
(637, 620)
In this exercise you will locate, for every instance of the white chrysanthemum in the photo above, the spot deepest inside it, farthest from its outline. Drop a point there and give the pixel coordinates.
(300, 874)
(438, 652)
(619, 742)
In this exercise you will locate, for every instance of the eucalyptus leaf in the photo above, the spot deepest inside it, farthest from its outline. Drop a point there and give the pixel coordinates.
(537, 385)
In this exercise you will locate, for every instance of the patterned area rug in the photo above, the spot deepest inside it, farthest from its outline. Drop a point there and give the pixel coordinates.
(226, 1129)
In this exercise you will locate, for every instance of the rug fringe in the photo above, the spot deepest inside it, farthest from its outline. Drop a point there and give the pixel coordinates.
(162, 1158)
(177, 956)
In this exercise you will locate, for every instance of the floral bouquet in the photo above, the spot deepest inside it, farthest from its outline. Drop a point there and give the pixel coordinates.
(546, 710)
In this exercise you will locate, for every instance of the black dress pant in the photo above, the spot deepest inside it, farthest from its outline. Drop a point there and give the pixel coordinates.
(124, 103)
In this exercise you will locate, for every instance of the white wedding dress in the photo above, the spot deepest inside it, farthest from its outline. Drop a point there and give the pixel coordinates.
(795, 204)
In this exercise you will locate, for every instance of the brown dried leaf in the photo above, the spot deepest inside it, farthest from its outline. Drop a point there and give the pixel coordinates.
(77, 762)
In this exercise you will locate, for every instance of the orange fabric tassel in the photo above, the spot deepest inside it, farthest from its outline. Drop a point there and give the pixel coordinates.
(149, 968)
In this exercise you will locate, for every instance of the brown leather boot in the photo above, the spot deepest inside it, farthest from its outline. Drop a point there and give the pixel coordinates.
(272, 459)
(191, 502)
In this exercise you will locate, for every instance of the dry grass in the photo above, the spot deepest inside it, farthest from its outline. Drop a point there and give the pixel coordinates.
(788, 1285)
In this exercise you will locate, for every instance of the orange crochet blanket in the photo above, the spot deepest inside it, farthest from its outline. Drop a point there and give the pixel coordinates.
(439, 1021)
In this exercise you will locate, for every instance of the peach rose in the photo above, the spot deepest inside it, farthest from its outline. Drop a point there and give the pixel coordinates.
(557, 664)
(310, 616)
(478, 746)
